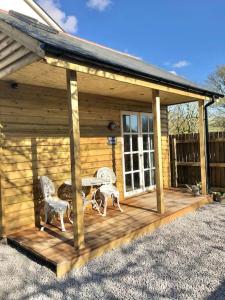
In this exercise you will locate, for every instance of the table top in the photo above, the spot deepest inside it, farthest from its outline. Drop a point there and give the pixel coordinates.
(88, 181)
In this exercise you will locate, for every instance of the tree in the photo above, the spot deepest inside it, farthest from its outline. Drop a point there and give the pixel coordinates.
(217, 111)
(183, 118)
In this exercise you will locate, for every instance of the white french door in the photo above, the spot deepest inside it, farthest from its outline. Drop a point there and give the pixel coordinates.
(138, 152)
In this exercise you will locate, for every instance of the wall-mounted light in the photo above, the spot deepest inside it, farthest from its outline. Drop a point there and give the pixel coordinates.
(112, 125)
(14, 85)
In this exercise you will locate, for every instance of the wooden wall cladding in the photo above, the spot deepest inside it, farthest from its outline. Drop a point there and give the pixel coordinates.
(36, 142)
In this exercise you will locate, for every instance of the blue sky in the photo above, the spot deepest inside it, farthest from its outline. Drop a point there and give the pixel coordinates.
(186, 37)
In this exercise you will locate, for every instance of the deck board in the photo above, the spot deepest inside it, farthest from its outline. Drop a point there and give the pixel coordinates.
(105, 233)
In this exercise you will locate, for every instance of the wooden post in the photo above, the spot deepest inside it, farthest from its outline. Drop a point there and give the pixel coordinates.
(2, 199)
(158, 150)
(73, 111)
(202, 146)
(174, 161)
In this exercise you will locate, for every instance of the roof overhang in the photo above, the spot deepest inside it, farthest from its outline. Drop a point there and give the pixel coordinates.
(18, 49)
(117, 69)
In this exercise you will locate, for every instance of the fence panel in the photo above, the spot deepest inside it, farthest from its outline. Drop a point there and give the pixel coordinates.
(185, 160)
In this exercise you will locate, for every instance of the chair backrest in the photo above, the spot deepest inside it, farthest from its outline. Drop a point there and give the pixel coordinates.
(107, 175)
(47, 187)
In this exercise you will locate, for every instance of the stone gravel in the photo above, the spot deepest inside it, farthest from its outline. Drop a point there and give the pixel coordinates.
(182, 260)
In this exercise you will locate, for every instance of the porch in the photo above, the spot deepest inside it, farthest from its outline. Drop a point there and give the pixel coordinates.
(55, 116)
(102, 234)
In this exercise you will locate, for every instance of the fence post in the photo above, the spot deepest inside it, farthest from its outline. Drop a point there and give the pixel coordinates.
(202, 146)
(174, 161)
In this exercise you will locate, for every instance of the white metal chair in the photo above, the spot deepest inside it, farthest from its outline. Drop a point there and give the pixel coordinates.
(87, 201)
(108, 189)
(52, 203)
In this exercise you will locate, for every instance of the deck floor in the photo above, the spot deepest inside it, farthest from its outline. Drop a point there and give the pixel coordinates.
(104, 233)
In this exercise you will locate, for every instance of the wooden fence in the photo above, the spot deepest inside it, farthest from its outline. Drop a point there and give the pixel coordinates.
(185, 160)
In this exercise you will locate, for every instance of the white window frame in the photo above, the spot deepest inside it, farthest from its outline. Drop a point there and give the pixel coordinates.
(140, 152)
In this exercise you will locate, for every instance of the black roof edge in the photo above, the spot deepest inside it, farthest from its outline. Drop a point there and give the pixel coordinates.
(69, 55)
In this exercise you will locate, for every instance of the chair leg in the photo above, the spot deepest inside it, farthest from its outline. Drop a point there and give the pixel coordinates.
(69, 214)
(113, 200)
(105, 206)
(62, 222)
(94, 201)
(118, 203)
(46, 219)
(95, 205)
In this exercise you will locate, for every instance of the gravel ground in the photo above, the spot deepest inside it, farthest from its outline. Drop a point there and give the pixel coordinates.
(182, 260)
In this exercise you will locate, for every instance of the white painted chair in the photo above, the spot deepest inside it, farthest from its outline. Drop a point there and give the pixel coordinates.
(52, 203)
(108, 189)
(87, 201)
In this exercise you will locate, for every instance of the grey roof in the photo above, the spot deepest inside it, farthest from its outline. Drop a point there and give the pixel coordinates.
(69, 47)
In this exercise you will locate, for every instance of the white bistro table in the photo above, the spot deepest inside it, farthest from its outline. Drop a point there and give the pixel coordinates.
(89, 182)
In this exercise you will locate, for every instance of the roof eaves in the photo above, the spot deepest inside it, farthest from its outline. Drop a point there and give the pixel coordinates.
(75, 57)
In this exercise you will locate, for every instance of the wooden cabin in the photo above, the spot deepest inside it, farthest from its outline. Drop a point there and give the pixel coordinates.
(59, 97)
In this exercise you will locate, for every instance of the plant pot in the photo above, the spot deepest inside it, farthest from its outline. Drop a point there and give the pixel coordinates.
(218, 198)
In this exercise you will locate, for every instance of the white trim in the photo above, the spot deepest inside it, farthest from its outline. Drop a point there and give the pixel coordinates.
(43, 15)
(141, 155)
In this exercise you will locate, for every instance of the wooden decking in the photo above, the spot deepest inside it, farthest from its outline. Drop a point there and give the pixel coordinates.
(105, 233)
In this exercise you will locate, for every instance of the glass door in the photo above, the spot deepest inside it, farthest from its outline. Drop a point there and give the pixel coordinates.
(131, 153)
(138, 152)
(148, 150)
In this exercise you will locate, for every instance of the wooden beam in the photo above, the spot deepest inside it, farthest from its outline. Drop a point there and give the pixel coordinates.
(14, 56)
(20, 63)
(2, 36)
(2, 206)
(197, 164)
(9, 49)
(174, 161)
(188, 163)
(22, 38)
(73, 112)
(6, 42)
(158, 150)
(202, 146)
(118, 77)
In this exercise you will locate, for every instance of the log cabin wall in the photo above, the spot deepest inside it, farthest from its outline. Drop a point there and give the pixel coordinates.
(36, 142)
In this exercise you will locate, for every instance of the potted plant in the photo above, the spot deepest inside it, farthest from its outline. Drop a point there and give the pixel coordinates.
(218, 196)
(195, 189)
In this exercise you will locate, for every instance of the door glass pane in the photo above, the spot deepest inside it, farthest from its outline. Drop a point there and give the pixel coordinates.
(145, 142)
(150, 124)
(152, 159)
(139, 175)
(135, 142)
(127, 163)
(144, 123)
(146, 160)
(134, 123)
(151, 141)
(136, 181)
(128, 182)
(126, 123)
(147, 178)
(127, 143)
(153, 176)
(135, 161)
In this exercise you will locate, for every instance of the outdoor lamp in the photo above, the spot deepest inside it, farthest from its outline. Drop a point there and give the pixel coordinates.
(112, 125)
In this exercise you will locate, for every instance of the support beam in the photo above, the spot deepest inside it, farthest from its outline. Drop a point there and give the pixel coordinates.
(158, 150)
(202, 146)
(73, 111)
(121, 78)
(174, 161)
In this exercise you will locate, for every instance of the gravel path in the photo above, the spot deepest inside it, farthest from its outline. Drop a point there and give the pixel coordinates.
(182, 260)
